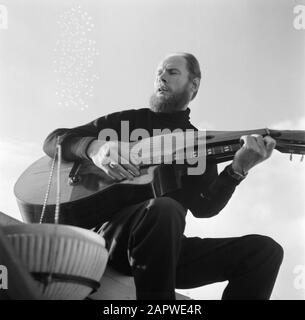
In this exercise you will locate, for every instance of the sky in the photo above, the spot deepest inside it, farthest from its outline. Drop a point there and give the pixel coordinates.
(64, 63)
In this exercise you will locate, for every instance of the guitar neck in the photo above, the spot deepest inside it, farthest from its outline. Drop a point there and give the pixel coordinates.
(222, 145)
(219, 146)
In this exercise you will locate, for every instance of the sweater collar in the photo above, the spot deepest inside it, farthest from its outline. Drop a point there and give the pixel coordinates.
(182, 117)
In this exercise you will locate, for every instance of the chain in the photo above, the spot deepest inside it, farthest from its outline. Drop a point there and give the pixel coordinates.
(48, 188)
(52, 255)
(57, 204)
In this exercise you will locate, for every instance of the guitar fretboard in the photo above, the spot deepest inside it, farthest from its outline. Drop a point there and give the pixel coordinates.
(212, 153)
(216, 146)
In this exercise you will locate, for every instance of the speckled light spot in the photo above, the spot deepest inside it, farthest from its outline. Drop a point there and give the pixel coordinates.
(74, 58)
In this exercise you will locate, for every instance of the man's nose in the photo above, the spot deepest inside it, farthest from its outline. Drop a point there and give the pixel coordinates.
(162, 77)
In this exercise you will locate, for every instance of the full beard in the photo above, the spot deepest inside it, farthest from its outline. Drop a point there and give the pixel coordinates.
(171, 103)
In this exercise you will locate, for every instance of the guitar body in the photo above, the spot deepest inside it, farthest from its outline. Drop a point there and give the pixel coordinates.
(92, 199)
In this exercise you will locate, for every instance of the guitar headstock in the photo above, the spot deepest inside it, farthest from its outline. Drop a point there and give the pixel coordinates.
(289, 141)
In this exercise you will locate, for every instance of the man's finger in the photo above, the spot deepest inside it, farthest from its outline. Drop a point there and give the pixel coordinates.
(249, 142)
(112, 173)
(270, 144)
(105, 161)
(123, 172)
(260, 141)
(132, 169)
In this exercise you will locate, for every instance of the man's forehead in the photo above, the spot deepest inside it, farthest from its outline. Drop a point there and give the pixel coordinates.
(173, 61)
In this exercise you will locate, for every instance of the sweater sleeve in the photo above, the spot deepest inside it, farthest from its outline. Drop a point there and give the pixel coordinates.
(206, 195)
(75, 141)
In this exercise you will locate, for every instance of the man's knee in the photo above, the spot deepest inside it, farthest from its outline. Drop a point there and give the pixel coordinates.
(165, 209)
(267, 247)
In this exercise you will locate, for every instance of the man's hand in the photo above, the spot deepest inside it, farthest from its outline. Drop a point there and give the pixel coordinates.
(254, 150)
(114, 158)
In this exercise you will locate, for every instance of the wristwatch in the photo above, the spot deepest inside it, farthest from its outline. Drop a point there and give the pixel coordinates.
(234, 174)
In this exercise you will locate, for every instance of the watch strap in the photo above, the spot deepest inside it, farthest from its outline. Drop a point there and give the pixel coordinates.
(234, 174)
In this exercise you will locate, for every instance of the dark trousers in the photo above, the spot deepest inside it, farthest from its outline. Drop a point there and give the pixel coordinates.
(146, 240)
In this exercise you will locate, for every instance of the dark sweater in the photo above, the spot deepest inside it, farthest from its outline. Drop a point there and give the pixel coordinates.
(204, 195)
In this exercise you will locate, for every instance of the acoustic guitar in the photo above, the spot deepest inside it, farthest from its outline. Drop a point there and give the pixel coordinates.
(88, 196)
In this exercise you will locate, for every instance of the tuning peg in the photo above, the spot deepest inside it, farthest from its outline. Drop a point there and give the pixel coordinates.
(302, 157)
(290, 156)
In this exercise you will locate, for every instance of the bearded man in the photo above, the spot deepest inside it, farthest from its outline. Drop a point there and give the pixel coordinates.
(146, 240)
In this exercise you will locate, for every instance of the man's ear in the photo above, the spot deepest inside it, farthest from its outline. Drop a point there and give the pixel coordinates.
(195, 84)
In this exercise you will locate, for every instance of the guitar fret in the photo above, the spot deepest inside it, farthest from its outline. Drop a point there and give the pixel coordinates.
(221, 149)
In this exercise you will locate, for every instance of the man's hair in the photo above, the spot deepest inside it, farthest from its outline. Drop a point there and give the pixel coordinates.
(192, 66)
